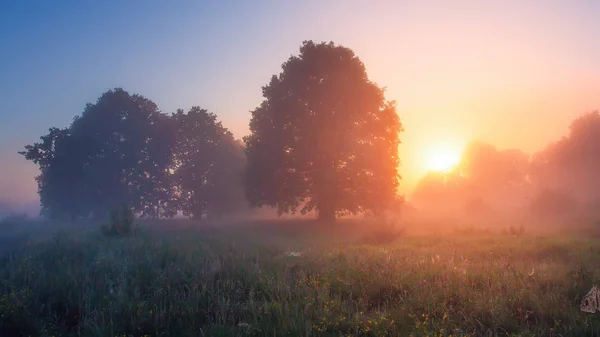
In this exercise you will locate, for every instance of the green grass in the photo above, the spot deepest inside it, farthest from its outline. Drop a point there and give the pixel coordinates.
(240, 281)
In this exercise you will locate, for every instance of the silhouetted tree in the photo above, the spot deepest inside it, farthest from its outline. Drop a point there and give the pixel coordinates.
(495, 176)
(572, 163)
(209, 165)
(324, 137)
(117, 152)
(485, 176)
(490, 168)
(61, 183)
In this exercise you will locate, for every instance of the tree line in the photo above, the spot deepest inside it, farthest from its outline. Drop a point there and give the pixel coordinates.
(561, 178)
(324, 139)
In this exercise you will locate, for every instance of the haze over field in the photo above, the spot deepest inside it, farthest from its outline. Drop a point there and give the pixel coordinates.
(300, 168)
(512, 74)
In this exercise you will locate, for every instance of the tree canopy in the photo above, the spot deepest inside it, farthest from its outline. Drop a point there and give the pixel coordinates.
(572, 163)
(209, 165)
(113, 153)
(124, 150)
(324, 138)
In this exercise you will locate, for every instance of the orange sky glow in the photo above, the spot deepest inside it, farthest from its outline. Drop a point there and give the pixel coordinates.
(513, 74)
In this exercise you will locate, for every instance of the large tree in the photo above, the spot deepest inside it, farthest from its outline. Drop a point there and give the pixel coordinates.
(118, 151)
(324, 138)
(208, 167)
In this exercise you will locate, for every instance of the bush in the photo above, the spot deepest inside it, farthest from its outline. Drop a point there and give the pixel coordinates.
(516, 230)
(121, 223)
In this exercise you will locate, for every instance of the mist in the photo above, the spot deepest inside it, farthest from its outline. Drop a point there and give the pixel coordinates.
(300, 169)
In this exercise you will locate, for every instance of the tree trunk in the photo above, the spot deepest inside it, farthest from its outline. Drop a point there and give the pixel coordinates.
(326, 212)
(325, 185)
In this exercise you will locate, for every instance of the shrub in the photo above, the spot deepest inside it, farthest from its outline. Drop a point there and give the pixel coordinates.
(517, 231)
(121, 223)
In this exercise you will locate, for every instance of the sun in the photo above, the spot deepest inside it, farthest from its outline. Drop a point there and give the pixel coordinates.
(442, 157)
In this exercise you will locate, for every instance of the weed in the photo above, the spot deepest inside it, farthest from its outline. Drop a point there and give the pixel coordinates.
(121, 223)
(188, 282)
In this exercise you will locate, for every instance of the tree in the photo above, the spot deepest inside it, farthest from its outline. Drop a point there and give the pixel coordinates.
(491, 168)
(439, 191)
(324, 137)
(118, 151)
(61, 184)
(496, 176)
(484, 177)
(209, 165)
(572, 163)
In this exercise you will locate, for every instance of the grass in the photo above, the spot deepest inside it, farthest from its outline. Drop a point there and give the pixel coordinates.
(178, 280)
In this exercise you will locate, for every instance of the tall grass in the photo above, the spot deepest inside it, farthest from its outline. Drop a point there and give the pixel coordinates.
(210, 282)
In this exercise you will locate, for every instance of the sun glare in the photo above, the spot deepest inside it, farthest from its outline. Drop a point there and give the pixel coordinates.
(441, 157)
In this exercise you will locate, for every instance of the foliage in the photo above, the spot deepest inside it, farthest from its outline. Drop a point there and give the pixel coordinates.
(572, 163)
(115, 152)
(197, 282)
(122, 223)
(209, 165)
(324, 138)
(516, 230)
(123, 150)
(500, 177)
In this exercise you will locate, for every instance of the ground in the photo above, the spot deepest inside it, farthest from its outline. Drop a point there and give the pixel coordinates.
(296, 278)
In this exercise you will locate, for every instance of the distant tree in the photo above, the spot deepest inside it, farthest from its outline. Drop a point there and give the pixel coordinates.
(497, 176)
(573, 162)
(117, 152)
(431, 189)
(485, 176)
(490, 168)
(324, 138)
(208, 167)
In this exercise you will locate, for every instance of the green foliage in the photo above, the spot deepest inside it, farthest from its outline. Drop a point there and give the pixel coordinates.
(122, 223)
(324, 138)
(181, 282)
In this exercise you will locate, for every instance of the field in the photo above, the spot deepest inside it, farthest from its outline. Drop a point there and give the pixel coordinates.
(296, 278)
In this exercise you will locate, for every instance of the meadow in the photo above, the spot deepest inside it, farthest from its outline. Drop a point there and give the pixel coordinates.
(295, 278)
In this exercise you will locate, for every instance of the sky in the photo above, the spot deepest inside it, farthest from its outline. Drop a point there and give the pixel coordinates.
(511, 73)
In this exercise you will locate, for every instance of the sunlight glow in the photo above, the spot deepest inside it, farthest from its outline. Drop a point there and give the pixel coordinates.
(442, 157)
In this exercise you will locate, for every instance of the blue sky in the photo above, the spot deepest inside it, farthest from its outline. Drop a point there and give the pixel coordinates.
(493, 66)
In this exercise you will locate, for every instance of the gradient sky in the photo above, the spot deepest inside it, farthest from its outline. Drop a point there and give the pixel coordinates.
(513, 73)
